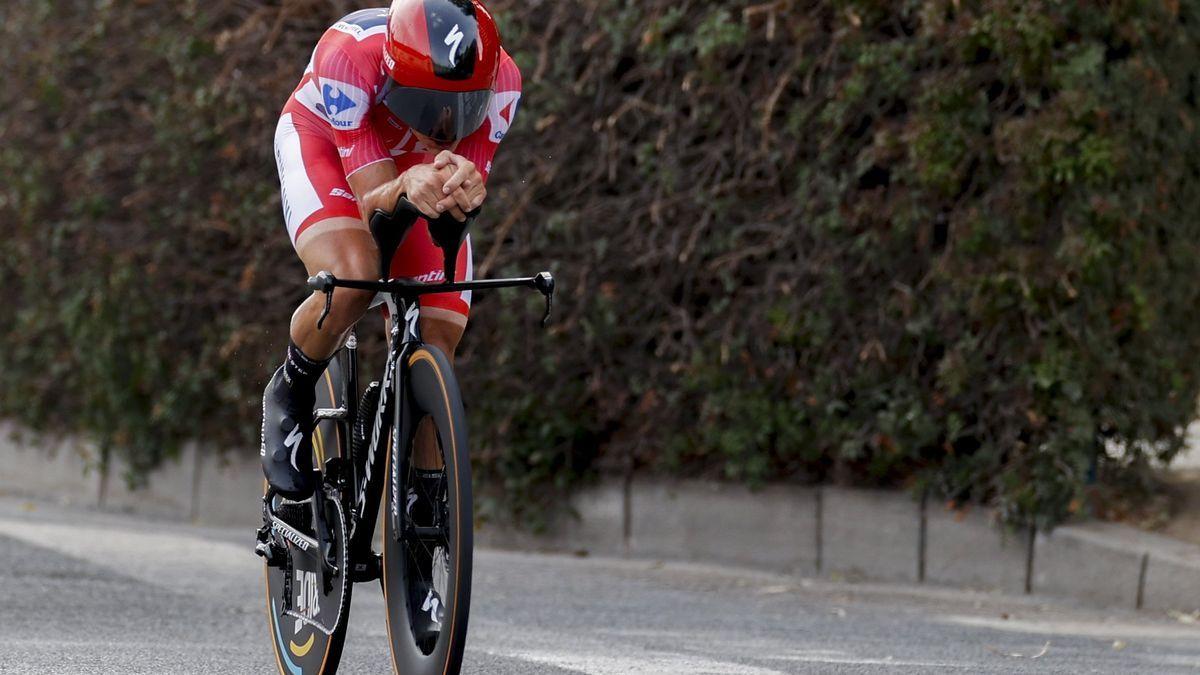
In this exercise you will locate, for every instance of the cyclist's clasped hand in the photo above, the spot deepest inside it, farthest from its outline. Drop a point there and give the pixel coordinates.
(452, 184)
(465, 191)
(422, 184)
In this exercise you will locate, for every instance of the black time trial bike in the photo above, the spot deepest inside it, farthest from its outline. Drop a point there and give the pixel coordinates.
(365, 448)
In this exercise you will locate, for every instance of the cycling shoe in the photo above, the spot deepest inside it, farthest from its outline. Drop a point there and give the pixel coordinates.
(287, 439)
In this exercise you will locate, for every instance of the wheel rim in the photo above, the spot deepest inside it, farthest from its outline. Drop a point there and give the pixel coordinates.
(434, 397)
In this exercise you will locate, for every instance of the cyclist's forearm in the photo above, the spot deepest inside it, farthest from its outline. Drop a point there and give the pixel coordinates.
(383, 197)
(377, 186)
(380, 187)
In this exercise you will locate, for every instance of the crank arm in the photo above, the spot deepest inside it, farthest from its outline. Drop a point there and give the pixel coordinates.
(293, 536)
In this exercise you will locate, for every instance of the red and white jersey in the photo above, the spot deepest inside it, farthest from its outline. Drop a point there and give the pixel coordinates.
(339, 95)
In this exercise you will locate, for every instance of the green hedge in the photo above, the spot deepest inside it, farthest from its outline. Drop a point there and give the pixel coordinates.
(941, 244)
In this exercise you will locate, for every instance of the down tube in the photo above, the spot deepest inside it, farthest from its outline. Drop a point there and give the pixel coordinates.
(403, 431)
(371, 488)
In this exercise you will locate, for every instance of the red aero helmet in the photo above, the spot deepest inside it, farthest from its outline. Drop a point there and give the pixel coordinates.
(441, 58)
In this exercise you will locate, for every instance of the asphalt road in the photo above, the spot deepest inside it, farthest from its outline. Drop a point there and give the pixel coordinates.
(84, 592)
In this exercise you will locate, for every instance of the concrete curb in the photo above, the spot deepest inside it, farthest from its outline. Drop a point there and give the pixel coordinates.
(1084, 562)
(837, 532)
(715, 523)
(63, 468)
(968, 548)
(201, 486)
(868, 534)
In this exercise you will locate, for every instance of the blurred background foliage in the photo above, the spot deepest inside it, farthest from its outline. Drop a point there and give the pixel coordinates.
(941, 244)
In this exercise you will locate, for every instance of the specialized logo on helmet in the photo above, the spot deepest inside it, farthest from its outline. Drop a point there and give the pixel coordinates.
(454, 40)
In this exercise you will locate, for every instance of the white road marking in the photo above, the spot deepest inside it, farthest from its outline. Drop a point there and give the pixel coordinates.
(596, 657)
(1108, 630)
(848, 660)
(645, 662)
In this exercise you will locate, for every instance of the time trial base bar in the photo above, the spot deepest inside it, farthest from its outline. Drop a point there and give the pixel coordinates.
(389, 228)
(324, 282)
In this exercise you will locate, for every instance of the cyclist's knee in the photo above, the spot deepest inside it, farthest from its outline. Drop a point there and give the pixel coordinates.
(349, 304)
(443, 334)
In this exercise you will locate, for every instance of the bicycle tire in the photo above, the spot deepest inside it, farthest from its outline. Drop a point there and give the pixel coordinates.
(306, 650)
(433, 391)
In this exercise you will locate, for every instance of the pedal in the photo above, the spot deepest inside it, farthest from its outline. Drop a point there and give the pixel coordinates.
(369, 569)
(265, 551)
(264, 548)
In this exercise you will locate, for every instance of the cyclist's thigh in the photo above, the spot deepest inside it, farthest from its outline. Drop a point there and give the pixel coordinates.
(346, 252)
(418, 258)
(317, 200)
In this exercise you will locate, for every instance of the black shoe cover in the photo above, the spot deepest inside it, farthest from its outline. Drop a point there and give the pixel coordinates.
(287, 439)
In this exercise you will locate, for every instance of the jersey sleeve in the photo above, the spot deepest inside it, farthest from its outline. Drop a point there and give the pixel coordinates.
(480, 147)
(343, 97)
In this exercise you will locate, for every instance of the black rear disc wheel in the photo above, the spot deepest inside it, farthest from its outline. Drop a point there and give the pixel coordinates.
(414, 565)
(300, 648)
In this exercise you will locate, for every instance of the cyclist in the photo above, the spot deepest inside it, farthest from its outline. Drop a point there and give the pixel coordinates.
(413, 101)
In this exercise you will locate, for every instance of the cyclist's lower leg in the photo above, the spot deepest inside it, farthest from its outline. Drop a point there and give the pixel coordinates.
(290, 395)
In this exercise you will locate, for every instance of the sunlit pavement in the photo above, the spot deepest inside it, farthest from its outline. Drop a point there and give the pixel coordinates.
(98, 593)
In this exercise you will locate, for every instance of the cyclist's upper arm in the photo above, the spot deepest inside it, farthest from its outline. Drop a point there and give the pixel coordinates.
(344, 96)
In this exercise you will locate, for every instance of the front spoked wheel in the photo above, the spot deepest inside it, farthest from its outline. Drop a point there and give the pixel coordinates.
(428, 527)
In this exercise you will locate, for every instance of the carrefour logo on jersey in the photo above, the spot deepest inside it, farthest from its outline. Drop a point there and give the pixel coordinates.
(344, 105)
(501, 113)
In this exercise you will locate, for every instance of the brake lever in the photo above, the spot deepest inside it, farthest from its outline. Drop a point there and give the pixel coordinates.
(325, 312)
(544, 283)
(323, 282)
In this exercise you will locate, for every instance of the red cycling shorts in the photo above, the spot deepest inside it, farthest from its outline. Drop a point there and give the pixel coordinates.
(314, 188)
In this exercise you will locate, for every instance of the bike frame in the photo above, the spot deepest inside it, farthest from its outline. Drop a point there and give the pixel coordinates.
(402, 298)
